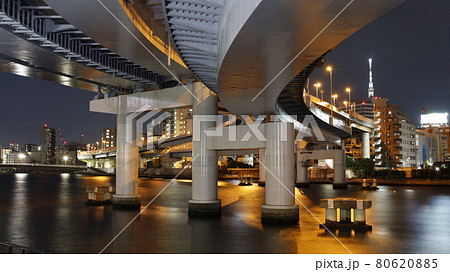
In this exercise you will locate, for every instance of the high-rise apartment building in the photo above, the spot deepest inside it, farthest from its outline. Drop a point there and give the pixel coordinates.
(395, 134)
(109, 138)
(179, 122)
(47, 143)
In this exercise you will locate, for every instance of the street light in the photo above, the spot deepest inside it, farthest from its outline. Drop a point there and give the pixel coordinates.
(330, 69)
(349, 100)
(317, 85)
(345, 103)
(21, 157)
(321, 94)
(65, 158)
(334, 101)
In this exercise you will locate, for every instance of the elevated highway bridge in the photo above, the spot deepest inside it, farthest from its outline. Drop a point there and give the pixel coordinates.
(253, 55)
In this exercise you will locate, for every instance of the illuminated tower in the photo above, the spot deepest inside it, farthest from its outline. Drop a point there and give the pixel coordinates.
(371, 89)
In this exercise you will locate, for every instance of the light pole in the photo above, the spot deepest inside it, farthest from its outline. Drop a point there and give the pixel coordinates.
(65, 158)
(349, 101)
(330, 69)
(317, 85)
(334, 101)
(321, 94)
(346, 103)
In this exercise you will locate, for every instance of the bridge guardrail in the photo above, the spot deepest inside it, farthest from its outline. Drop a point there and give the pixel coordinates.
(8, 248)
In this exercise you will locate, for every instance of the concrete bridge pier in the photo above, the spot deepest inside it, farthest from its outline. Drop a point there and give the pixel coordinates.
(339, 170)
(127, 156)
(204, 200)
(262, 169)
(302, 174)
(279, 204)
(365, 145)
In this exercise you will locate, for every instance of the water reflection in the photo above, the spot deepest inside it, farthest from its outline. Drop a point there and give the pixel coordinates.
(17, 222)
(48, 212)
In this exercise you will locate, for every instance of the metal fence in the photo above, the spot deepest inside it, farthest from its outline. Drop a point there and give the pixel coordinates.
(8, 248)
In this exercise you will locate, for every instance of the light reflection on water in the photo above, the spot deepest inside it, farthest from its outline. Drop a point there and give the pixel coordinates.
(47, 212)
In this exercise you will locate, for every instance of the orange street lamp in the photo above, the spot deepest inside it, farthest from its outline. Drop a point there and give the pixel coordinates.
(317, 85)
(330, 69)
(346, 103)
(349, 100)
(334, 101)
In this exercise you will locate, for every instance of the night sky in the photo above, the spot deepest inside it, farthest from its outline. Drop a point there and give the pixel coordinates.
(410, 48)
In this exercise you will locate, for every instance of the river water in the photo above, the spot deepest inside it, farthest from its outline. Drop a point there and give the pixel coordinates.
(48, 213)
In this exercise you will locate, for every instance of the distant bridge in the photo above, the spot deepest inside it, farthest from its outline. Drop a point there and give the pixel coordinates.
(40, 168)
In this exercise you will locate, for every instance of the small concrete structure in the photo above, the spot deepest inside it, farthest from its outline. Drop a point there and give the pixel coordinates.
(246, 181)
(99, 195)
(338, 156)
(369, 184)
(344, 207)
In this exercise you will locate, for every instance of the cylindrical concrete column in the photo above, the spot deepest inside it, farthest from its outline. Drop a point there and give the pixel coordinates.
(339, 170)
(280, 205)
(262, 169)
(204, 165)
(365, 145)
(167, 161)
(302, 174)
(127, 160)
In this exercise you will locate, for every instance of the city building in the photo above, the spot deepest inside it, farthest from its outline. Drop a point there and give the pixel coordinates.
(31, 148)
(435, 132)
(365, 106)
(11, 158)
(47, 143)
(15, 147)
(109, 138)
(36, 157)
(179, 122)
(3, 153)
(353, 147)
(67, 154)
(446, 131)
(183, 121)
(432, 146)
(395, 136)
